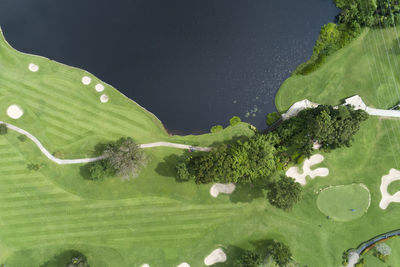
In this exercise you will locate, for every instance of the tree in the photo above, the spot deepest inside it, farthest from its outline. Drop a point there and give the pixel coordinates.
(331, 127)
(216, 129)
(100, 169)
(234, 120)
(285, 193)
(182, 172)
(280, 253)
(248, 259)
(125, 157)
(3, 129)
(272, 118)
(242, 162)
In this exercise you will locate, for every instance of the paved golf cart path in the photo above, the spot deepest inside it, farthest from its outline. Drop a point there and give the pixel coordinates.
(86, 160)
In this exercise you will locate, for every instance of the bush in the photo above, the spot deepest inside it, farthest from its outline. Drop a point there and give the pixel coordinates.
(285, 193)
(216, 129)
(35, 166)
(234, 120)
(248, 259)
(182, 172)
(58, 154)
(280, 253)
(22, 138)
(360, 263)
(272, 118)
(100, 169)
(3, 129)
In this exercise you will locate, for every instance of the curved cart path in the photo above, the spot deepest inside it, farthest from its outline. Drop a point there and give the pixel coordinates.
(86, 160)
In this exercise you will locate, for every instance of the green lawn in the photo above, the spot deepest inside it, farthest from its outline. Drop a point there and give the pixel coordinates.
(152, 218)
(344, 203)
(361, 68)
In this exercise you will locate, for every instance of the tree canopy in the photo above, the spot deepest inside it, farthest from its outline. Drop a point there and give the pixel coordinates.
(331, 127)
(123, 158)
(242, 162)
(248, 259)
(280, 253)
(284, 193)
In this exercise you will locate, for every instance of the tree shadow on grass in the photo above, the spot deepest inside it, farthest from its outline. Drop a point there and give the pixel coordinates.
(167, 167)
(63, 259)
(246, 193)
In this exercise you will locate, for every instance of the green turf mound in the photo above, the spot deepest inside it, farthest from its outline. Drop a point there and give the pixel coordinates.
(344, 202)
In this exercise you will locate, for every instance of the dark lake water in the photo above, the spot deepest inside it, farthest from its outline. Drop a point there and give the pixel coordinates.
(193, 63)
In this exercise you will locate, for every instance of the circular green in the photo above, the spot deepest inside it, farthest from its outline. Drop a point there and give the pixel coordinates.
(344, 202)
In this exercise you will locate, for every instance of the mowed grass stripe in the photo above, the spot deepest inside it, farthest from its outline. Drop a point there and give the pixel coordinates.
(139, 219)
(42, 228)
(104, 232)
(79, 111)
(80, 210)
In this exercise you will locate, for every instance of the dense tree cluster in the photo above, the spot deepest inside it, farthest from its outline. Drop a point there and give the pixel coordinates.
(242, 162)
(272, 118)
(370, 13)
(279, 252)
(284, 193)
(330, 127)
(123, 158)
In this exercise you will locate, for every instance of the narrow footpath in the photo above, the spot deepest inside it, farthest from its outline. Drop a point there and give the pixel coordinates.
(86, 160)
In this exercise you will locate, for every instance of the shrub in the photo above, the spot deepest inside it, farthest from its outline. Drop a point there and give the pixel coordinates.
(216, 129)
(3, 129)
(280, 253)
(234, 120)
(101, 169)
(22, 138)
(360, 263)
(248, 259)
(182, 172)
(35, 166)
(272, 118)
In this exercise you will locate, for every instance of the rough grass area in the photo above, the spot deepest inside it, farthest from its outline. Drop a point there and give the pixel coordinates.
(369, 66)
(344, 203)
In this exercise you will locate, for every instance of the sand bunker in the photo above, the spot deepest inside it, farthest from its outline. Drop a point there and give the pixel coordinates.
(145, 265)
(104, 98)
(222, 188)
(184, 264)
(353, 258)
(14, 112)
(33, 67)
(86, 80)
(99, 87)
(218, 255)
(387, 198)
(313, 160)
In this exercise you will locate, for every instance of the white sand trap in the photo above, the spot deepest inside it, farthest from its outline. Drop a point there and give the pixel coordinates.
(184, 264)
(387, 198)
(218, 255)
(86, 80)
(99, 87)
(104, 98)
(222, 188)
(316, 145)
(14, 112)
(33, 67)
(145, 265)
(313, 160)
(353, 258)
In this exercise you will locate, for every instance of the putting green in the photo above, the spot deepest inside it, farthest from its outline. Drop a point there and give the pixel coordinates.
(344, 202)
